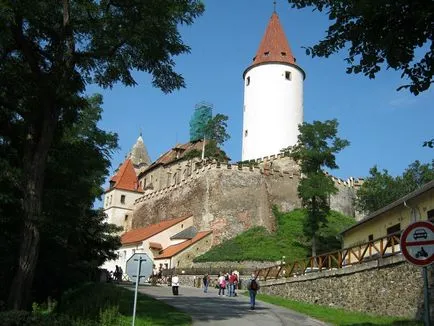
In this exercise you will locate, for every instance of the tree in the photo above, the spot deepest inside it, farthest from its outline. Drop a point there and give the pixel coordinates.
(215, 129)
(49, 52)
(74, 239)
(315, 150)
(387, 32)
(381, 189)
(214, 135)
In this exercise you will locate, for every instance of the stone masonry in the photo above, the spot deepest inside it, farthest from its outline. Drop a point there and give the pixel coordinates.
(390, 287)
(230, 199)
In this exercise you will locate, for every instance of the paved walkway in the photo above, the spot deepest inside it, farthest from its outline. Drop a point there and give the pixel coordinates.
(210, 309)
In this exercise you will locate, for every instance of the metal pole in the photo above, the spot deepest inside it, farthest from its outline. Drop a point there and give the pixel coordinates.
(426, 296)
(137, 287)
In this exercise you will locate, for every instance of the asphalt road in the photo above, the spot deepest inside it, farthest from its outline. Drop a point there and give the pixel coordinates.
(210, 309)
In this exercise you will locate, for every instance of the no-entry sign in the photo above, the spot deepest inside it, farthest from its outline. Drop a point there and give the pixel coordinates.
(417, 243)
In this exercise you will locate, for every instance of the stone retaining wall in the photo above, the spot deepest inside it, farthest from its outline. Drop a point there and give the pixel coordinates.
(390, 287)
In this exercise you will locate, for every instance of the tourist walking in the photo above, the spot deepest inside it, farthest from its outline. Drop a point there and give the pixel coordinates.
(253, 287)
(175, 284)
(222, 284)
(206, 279)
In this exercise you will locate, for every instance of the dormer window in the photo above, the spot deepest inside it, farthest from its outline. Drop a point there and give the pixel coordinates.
(283, 54)
(267, 53)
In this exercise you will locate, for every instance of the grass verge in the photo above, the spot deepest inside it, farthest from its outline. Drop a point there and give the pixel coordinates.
(108, 304)
(336, 316)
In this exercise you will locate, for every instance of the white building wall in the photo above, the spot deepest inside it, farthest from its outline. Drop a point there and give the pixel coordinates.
(115, 209)
(273, 109)
(163, 238)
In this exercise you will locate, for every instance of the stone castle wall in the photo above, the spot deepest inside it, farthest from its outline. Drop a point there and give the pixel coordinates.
(230, 199)
(390, 287)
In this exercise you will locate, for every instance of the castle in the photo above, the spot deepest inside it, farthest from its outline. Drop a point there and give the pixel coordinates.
(224, 198)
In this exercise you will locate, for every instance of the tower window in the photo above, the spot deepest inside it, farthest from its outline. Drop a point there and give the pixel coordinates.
(283, 54)
(287, 75)
(248, 81)
(267, 53)
(123, 199)
(246, 132)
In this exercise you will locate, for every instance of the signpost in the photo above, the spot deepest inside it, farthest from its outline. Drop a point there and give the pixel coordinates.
(139, 266)
(417, 246)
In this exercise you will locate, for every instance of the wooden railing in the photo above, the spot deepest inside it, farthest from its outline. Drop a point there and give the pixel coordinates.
(372, 250)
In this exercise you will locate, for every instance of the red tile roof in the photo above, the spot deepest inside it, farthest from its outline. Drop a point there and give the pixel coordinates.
(175, 249)
(126, 178)
(179, 151)
(141, 234)
(274, 46)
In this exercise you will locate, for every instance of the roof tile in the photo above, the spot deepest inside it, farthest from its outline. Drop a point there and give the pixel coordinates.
(274, 46)
(175, 249)
(126, 178)
(141, 234)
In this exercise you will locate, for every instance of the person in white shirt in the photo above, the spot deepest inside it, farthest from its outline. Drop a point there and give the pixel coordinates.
(175, 284)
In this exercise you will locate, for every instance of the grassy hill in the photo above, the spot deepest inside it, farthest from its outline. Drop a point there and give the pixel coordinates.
(288, 240)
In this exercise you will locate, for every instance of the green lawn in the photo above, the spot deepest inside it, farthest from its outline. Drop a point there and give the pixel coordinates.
(336, 316)
(288, 240)
(112, 305)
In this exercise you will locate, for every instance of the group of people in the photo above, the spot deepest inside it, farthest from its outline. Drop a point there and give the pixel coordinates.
(230, 282)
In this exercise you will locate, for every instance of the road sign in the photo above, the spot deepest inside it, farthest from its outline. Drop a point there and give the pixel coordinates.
(146, 265)
(417, 243)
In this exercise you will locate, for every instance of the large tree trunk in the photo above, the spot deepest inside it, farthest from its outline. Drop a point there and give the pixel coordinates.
(34, 163)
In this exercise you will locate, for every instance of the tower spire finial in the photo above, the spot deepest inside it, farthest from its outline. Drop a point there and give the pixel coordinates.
(274, 6)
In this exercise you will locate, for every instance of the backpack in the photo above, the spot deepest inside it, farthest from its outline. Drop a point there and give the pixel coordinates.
(254, 285)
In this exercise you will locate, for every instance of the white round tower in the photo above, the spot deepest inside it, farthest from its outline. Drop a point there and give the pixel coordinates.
(273, 96)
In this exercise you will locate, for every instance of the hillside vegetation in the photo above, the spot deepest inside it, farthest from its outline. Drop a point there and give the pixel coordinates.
(288, 240)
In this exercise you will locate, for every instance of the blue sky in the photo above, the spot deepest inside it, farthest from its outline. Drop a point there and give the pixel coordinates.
(385, 127)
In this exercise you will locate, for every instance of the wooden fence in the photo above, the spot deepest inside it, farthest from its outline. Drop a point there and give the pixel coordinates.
(372, 250)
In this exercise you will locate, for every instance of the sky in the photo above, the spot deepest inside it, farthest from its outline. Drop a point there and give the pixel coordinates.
(385, 127)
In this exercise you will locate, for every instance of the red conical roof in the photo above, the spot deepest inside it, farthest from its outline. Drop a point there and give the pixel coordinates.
(274, 46)
(125, 178)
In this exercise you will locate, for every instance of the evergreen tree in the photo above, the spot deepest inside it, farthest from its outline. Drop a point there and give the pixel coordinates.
(315, 150)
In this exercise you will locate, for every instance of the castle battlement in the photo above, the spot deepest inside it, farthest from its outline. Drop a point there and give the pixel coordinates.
(264, 166)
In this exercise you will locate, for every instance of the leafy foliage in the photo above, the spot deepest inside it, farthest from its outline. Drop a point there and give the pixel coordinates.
(387, 33)
(315, 150)
(49, 52)
(381, 189)
(288, 240)
(75, 240)
(212, 151)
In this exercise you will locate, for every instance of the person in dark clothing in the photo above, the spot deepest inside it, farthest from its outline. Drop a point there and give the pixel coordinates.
(253, 287)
